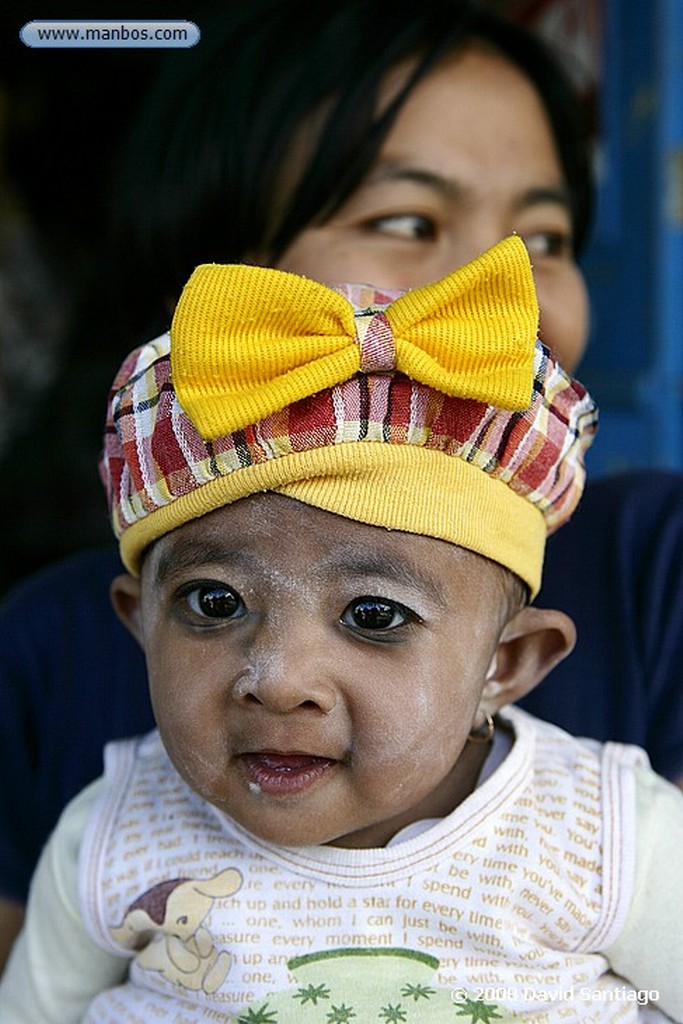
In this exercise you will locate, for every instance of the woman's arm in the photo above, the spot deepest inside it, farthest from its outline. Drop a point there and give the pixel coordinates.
(649, 950)
(11, 920)
(55, 968)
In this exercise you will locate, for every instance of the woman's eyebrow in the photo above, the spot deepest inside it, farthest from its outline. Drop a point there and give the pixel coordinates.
(540, 195)
(453, 191)
(391, 170)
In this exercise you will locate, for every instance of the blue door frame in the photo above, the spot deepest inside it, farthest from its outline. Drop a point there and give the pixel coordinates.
(634, 263)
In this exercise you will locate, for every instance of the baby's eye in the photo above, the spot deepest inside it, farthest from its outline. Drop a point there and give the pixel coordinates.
(214, 601)
(549, 243)
(404, 225)
(375, 614)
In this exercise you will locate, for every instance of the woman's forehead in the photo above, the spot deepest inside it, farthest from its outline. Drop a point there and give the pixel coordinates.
(470, 97)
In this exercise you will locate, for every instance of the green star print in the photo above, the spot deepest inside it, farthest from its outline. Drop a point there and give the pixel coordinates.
(262, 1016)
(392, 1014)
(312, 994)
(340, 1015)
(478, 1010)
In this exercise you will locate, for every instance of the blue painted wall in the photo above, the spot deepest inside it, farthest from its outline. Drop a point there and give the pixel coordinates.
(634, 264)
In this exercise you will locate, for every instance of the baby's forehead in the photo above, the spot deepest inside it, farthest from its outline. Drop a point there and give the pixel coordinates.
(273, 534)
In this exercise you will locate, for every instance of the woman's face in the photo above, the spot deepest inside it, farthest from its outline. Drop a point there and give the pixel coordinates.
(470, 159)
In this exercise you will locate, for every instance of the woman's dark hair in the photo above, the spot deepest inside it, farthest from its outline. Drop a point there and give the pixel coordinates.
(202, 177)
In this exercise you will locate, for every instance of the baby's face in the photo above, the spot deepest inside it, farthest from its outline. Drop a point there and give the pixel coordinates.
(314, 677)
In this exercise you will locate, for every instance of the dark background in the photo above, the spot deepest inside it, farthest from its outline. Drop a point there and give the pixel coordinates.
(63, 115)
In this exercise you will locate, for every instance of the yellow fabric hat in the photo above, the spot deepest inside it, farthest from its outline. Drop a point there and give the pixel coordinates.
(436, 413)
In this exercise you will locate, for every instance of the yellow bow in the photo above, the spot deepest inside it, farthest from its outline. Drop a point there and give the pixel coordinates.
(249, 341)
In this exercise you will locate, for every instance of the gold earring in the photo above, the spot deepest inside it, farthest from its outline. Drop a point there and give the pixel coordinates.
(483, 733)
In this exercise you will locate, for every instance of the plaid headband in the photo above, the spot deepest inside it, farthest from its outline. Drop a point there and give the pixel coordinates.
(437, 413)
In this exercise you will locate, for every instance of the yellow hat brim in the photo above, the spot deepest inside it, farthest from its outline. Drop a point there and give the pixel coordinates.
(396, 487)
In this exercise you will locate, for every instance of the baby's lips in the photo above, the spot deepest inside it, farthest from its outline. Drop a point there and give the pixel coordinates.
(283, 774)
(277, 762)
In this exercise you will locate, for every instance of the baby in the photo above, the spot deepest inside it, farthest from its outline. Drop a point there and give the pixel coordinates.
(333, 508)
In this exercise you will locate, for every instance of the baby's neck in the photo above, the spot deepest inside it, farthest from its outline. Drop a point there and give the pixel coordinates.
(454, 788)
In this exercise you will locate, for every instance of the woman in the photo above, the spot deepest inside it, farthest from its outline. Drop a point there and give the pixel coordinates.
(293, 136)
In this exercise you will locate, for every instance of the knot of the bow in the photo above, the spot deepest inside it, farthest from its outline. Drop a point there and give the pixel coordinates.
(376, 342)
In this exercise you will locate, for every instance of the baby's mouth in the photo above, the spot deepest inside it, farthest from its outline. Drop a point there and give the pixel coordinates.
(283, 774)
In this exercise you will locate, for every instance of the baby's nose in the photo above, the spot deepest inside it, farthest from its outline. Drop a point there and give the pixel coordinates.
(287, 679)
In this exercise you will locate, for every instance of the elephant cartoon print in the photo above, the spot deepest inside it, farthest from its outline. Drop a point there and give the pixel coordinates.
(166, 924)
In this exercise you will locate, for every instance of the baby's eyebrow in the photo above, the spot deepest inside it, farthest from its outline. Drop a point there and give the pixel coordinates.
(363, 565)
(192, 553)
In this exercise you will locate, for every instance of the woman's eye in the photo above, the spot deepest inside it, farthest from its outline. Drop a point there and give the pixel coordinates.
(410, 226)
(214, 601)
(549, 243)
(375, 614)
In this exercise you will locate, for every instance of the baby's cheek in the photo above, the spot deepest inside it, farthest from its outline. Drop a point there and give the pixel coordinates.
(418, 733)
(190, 716)
(187, 682)
(200, 763)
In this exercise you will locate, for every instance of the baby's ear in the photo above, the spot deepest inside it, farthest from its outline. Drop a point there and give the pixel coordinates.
(125, 597)
(531, 644)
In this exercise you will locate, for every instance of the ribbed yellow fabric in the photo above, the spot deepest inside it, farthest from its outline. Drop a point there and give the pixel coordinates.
(248, 341)
(474, 331)
(405, 488)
